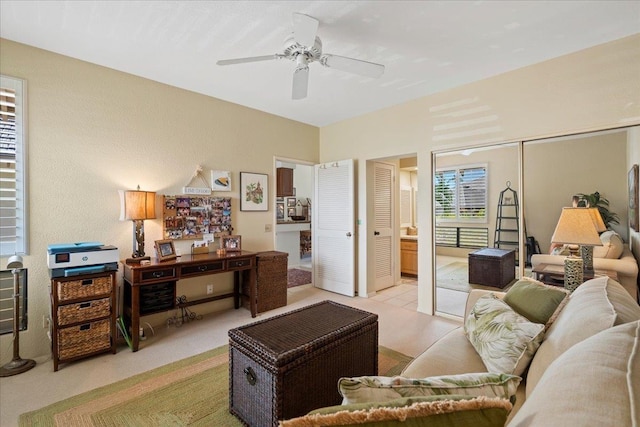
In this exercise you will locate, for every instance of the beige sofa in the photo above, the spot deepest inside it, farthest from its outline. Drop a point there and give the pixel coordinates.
(584, 369)
(612, 255)
(596, 306)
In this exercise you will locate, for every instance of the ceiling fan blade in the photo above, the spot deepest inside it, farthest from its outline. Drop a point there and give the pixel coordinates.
(364, 68)
(305, 28)
(249, 59)
(300, 83)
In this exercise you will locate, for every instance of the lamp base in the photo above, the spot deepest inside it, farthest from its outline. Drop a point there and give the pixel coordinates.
(137, 260)
(16, 366)
(573, 273)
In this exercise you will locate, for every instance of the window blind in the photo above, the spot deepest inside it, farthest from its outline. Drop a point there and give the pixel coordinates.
(12, 168)
(461, 193)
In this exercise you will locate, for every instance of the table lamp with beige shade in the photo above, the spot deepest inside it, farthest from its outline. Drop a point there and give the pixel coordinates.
(576, 227)
(137, 206)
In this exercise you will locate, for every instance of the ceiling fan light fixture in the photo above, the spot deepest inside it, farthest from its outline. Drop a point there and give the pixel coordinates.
(303, 47)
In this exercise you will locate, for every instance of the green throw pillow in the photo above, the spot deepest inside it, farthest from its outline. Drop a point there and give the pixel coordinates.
(381, 389)
(536, 301)
(505, 340)
(434, 411)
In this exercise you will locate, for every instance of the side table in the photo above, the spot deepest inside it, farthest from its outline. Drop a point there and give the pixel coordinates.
(552, 274)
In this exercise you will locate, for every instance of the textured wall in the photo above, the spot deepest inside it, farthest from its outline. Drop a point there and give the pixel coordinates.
(593, 89)
(93, 130)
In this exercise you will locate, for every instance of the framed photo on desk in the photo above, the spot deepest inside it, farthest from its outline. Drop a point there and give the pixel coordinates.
(165, 250)
(232, 243)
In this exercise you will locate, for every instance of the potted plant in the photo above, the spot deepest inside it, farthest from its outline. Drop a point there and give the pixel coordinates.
(594, 200)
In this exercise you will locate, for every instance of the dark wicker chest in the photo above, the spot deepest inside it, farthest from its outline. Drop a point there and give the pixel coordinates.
(492, 267)
(288, 365)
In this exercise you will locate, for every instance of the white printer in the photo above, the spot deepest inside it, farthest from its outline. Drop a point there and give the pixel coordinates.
(72, 259)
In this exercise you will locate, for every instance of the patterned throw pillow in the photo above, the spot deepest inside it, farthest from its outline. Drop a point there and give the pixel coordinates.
(505, 340)
(381, 389)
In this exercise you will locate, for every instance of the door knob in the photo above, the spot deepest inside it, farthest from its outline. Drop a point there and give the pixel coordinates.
(376, 233)
(348, 234)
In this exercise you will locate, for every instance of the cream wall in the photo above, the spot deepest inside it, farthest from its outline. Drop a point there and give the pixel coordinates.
(93, 131)
(555, 171)
(592, 89)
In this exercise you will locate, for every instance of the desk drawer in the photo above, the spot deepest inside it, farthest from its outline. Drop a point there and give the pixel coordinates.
(237, 264)
(195, 270)
(151, 275)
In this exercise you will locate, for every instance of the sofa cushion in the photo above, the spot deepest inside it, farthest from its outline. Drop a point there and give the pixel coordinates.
(536, 301)
(505, 340)
(380, 389)
(450, 355)
(596, 305)
(435, 411)
(612, 246)
(594, 383)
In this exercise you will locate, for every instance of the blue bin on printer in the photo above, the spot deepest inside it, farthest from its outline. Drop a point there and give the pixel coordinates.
(74, 259)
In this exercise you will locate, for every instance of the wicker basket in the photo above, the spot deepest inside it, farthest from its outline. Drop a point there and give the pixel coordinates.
(68, 290)
(83, 311)
(84, 339)
(272, 280)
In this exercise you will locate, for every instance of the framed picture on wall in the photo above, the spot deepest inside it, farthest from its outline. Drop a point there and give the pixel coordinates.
(254, 191)
(633, 198)
(220, 180)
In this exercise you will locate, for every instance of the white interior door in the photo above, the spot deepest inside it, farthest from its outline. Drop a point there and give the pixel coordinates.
(384, 196)
(333, 224)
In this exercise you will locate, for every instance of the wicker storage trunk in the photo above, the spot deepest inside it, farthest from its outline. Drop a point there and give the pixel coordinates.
(492, 267)
(271, 273)
(285, 366)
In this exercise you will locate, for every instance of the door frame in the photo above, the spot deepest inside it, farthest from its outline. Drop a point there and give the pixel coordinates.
(273, 191)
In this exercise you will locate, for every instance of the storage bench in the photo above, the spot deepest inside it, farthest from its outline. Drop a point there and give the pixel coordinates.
(492, 267)
(288, 365)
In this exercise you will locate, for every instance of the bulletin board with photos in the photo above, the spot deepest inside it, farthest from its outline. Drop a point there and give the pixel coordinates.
(191, 217)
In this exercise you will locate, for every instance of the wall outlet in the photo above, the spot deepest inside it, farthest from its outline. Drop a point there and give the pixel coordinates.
(209, 289)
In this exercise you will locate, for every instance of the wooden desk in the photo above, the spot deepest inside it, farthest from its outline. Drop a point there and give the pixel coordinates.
(151, 288)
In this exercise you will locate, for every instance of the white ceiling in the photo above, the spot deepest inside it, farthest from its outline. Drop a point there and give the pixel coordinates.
(426, 46)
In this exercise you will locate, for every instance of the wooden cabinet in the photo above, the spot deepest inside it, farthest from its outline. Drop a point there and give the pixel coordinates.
(83, 312)
(409, 257)
(284, 182)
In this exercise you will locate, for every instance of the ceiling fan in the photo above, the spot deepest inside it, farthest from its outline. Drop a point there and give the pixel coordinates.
(303, 47)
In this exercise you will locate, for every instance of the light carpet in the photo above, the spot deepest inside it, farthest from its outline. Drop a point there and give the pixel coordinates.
(189, 392)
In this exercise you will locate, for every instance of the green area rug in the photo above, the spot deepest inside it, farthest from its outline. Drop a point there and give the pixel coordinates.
(189, 392)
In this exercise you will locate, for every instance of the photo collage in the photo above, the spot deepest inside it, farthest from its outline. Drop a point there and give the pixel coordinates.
(187, 217)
